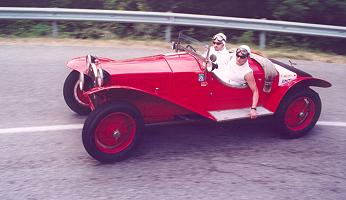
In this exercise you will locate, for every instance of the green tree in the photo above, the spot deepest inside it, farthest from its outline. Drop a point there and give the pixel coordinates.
(331, 12)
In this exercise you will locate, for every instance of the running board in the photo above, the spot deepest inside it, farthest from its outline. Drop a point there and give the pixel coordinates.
(225, 115)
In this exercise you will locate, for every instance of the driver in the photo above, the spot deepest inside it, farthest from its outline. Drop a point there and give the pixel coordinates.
(219, 50)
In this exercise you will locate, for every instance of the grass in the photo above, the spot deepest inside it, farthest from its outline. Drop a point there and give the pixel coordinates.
(304, 54)
(292, 53)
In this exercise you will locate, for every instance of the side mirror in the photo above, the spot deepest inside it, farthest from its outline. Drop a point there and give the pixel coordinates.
(212, 58)
(212, 65)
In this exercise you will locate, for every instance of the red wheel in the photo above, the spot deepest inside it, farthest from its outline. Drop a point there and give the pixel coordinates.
(115, 132)
(112, 131)
(298, 112)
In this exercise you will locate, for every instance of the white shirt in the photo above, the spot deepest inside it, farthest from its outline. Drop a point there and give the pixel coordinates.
(222, 57)
(232, 73)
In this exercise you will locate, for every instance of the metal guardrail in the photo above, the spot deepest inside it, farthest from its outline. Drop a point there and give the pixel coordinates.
(170, 19)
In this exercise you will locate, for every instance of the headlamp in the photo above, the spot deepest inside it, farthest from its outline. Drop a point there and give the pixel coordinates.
(96, 74)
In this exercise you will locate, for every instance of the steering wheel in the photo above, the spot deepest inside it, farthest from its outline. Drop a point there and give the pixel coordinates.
(190, 47)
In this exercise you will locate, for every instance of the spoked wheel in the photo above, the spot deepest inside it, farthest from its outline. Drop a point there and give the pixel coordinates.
(111, 132)
(299, 112)
(73, 95)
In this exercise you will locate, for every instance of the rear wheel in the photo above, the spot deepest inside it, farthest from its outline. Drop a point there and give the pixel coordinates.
(112, 131)
(298, 112)
(73, 95)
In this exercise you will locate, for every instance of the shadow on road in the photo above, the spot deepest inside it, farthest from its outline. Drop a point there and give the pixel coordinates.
(164, 141)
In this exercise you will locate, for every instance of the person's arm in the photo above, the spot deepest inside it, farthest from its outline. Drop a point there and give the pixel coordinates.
(249, 78)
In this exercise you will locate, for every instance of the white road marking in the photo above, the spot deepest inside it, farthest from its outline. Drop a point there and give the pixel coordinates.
(80, 126)
(324, 123)
(41, 128)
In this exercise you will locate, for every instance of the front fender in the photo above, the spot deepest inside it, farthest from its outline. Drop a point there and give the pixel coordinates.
(154, 96)
(98, 90)
(274, 99)
(79, 63)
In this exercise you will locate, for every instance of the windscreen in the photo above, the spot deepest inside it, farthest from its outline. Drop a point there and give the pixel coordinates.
(193, 46)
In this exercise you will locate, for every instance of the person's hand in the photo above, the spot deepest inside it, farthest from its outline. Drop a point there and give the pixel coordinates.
(253, 113)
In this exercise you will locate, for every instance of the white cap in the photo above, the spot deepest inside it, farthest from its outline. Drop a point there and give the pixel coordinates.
(245, 47)
(220, 37)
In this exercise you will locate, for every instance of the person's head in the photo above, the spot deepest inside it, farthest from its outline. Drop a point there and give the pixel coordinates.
(242, 53)
(219, 41)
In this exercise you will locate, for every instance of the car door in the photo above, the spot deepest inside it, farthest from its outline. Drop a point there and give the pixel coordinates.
(225, 97)
(229, 102)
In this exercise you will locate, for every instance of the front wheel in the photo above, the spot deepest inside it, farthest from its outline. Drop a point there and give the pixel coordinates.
(298, 112)
(73, 95)
(112, 131)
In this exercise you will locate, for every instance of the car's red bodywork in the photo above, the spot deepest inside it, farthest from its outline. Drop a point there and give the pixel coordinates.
(165, 86)
(123, 95)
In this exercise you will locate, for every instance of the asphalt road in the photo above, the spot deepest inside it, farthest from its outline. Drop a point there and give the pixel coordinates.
(237, 160)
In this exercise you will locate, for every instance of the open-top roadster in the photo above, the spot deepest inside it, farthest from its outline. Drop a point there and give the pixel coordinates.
(124, 95)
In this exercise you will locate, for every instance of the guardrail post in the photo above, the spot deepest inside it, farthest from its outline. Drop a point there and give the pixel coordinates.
(168, 34)
(168, 31)
(55, 31)
(262, 40)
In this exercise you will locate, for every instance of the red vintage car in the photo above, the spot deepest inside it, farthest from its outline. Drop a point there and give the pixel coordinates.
(124, 95)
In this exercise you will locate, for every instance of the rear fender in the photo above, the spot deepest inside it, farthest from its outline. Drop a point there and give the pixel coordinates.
(274, 99)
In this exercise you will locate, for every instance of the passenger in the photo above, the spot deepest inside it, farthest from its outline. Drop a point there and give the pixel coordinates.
(241, 73)
(268, 67)
(219, 50)
(238, 73)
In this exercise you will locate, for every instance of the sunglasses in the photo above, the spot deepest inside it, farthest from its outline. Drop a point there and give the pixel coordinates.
(217, 43)
(242, 53)
(241, 56)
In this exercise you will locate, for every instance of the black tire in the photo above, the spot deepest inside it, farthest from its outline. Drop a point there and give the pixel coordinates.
(298, 112)
(112, 131)
(70, 92)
